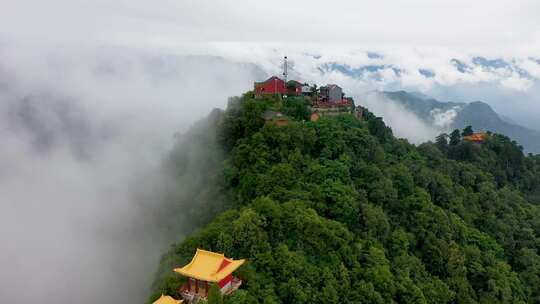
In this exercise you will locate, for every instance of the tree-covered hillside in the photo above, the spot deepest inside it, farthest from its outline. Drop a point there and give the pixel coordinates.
(478, 114)
(340, 211)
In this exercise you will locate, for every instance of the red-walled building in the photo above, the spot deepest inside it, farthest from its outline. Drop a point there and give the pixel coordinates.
(294, 88)
(273, 85)
(208, 268)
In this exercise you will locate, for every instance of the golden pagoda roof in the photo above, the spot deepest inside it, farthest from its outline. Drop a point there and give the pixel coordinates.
(209, 266)
(481, 136)
(167, 300)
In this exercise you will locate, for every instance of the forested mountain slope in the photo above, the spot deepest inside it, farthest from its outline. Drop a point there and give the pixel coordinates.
(340, 211)
(458, 115)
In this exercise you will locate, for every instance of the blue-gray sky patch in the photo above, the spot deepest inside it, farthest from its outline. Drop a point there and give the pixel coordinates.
(361, 71)
(490, 63)
(374, 55)
(427, 73)
(460, 66)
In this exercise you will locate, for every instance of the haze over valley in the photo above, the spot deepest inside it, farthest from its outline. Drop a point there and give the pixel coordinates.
(110, 117)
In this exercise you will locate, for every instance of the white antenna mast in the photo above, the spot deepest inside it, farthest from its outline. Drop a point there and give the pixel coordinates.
(285, 69)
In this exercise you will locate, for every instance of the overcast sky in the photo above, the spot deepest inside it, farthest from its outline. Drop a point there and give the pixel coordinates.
(491, 26)
(92, 91)
(412, 35)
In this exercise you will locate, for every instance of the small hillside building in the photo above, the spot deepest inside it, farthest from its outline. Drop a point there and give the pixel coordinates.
(329, 109)
(307, 90)
(333, 108)
(167, 300)
(294, 88)
(207, 268)
(331, 93)
(332, 102)
(359, 112)
(273, 85)
(476, 138)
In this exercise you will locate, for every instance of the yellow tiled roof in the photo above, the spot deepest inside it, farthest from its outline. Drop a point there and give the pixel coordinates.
(476, 137)
(205, 266)
(168, 300)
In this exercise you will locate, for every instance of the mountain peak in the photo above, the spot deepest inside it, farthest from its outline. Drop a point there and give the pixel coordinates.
(481, 105)
(478, 114)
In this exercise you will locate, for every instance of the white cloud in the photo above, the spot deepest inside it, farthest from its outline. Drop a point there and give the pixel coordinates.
(114, 60)
(530, 66)
(516, 82)
(489, 26)
(85, 132)
(404, 124)
(444, 119)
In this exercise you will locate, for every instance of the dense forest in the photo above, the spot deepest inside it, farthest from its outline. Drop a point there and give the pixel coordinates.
(341, 211)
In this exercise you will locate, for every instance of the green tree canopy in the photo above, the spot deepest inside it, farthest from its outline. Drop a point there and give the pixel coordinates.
(214, 295)
(467, 131)
(340, 211)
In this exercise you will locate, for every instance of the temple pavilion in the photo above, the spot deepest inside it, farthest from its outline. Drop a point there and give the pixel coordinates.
(167, 300)
(476, 138)
(207, 268)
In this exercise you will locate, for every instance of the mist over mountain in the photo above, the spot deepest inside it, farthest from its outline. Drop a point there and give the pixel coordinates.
(90, 195)
(446, 116)
(86, 133)
(109, 153)
(509, 84)
(339, 210)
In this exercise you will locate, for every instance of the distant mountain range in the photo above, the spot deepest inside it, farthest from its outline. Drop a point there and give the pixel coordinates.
(377, 65)
(447, 116)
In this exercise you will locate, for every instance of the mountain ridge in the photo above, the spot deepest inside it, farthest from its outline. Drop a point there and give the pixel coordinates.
(339, 210)
(477, 114)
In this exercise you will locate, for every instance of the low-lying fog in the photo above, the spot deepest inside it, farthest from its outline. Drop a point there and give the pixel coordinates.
(84, 134)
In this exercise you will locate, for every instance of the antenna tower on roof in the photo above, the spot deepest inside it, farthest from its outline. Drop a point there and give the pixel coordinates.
(285, 69)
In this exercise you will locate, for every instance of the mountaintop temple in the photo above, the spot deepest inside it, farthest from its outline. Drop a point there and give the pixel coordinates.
(205, 269)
